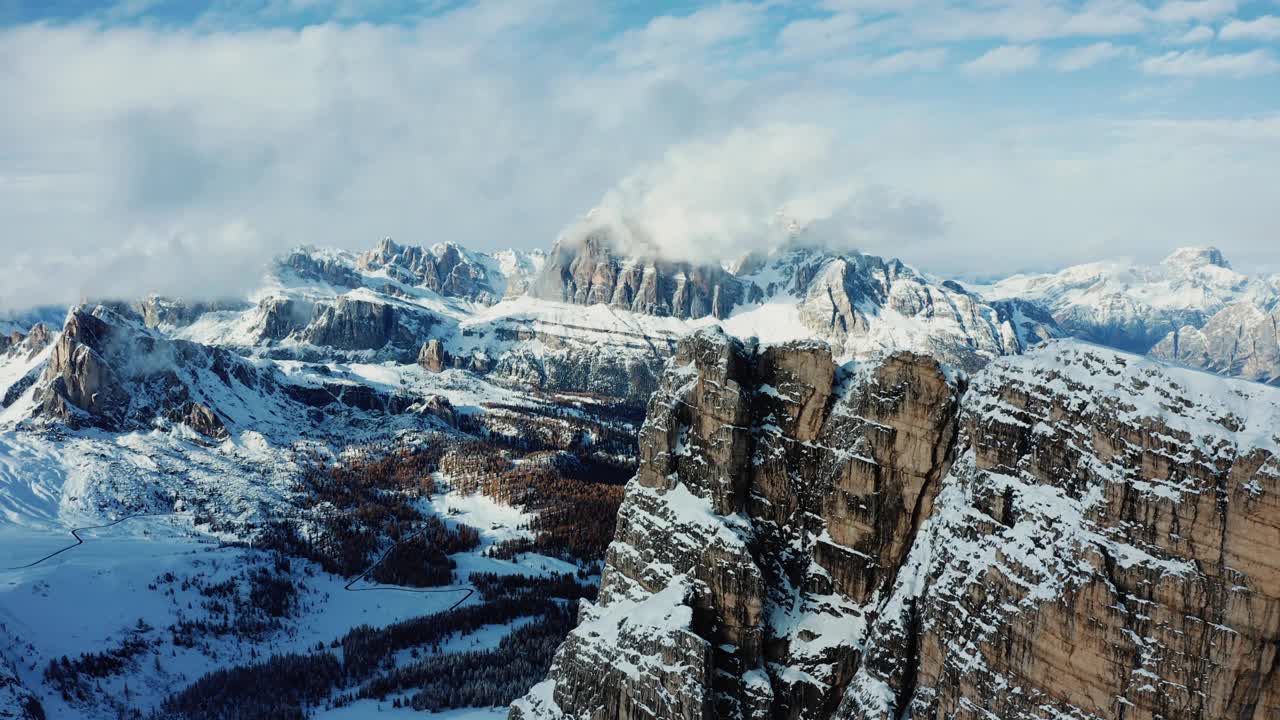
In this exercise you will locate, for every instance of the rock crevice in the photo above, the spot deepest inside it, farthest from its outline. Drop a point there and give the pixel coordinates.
(1076, 532)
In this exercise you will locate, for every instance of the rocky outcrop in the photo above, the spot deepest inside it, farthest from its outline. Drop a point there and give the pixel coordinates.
(159, 311)
(315, 265)
(589, 271)
(111, 372)
(1078, 533)
(353, 324)
(433, 357)
(280, 317)
(80, 382)
(772, 496)
(1099, 551)
(866, 306)
(446, 268)
(26, 345)
(1241, 340)
(20, 361)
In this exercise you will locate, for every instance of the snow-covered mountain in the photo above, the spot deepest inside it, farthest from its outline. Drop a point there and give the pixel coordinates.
(496, 394)
(1131, 306)
(1076, 533)
(1192, 308)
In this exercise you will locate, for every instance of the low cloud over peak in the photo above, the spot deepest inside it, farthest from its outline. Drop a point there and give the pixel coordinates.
(144, 141)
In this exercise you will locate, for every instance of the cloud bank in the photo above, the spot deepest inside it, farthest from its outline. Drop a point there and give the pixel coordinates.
(144, 157)
(749, 191)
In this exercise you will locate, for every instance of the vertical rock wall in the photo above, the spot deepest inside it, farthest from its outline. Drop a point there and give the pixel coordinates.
(1079, 534)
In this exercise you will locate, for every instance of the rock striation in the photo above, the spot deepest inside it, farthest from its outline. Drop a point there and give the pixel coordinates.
(590, 271)
(446, 268)
(1071, 533)
(109, 371)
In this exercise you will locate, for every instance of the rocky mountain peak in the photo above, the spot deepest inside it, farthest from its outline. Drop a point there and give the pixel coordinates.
(1194, 257)
(446, 268)
(29, 343)
(590, 269)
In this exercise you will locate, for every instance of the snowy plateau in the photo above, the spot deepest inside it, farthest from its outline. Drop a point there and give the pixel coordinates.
(589, 483)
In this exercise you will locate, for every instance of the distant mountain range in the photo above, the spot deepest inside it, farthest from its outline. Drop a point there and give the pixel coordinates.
(858, 490)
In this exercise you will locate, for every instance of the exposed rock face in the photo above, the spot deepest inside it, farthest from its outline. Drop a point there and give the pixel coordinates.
(432, 356)
(1079, 534)
(319, 266)
(26, 345)
(588, 271)
(80, 381)
(560, 356)
(1242, 340)
(351, 324)
(20, 361)
(280, 317)
(865, 306)
(1103, 548)
(446, 268)
(159, 311)
(108, 371)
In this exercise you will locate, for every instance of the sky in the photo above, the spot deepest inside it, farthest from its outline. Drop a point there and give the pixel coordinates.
(174, 147)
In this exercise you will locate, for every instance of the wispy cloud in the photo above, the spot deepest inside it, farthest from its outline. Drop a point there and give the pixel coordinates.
(1198, 63)
(1195, 10)
(1195, 36)
(670, 38)
(1266, 27)
(144, 143)
(817, 36)
(1081, 58)
(923, 60)
(1004, 59)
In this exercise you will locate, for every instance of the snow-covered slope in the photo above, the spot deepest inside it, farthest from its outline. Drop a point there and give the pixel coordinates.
(1132, 306)
(866, 307)
(207, 411)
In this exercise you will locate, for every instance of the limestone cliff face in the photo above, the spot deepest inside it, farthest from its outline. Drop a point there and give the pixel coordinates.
(1104, 548)
(589, 271)
(1079, 533)
(447, 269)
(352, 324)
(109, 371)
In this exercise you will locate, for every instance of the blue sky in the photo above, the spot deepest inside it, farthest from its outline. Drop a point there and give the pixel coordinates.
(979, 137)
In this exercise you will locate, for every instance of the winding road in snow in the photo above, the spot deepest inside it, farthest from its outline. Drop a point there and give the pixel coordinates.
(75, 533)
(468, 590)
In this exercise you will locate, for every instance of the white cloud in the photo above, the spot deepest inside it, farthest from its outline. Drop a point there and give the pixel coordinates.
(816, 36)
(1266, 27)
(669, 38)
(705, 201)
(1198, 63)
(1195, 10)
(1028, 20)
(1195, 36)
(1087, 56)
(151, 157)
(924, 60)
(1004, 59)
